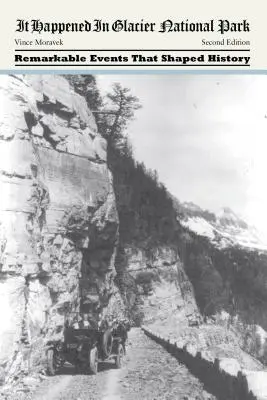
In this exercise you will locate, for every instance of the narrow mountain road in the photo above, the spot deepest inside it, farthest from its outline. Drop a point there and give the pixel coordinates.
(148, 373)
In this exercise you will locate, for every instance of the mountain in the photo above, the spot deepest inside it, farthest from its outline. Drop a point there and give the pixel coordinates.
(223, 229)
(83, 226)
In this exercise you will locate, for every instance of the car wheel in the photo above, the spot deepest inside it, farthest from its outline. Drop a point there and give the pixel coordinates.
(107, 342)
(93, 360)
(51, 362)
(119, 356)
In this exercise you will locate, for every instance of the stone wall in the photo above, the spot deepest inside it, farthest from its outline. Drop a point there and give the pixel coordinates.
(222, 377)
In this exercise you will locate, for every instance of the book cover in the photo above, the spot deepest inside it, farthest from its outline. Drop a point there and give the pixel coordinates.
(133, 240)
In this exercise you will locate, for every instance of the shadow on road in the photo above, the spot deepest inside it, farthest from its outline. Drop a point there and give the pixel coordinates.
(104, 366)
(69, 369)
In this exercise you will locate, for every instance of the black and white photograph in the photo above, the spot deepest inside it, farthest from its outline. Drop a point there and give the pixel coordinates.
(133, 236)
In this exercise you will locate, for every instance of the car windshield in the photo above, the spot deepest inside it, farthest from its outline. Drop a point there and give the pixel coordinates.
(77, 321)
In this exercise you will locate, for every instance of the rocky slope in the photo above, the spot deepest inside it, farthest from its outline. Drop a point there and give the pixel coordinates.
(223, 264)
(58, 217)
(155, 286)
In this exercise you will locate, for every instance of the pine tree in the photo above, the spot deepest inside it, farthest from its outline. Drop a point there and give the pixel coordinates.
(122, 106)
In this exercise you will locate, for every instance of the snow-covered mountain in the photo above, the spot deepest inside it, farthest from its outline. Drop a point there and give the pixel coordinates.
(223, 229)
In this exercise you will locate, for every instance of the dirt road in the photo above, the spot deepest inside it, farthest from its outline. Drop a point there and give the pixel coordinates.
(148, 373)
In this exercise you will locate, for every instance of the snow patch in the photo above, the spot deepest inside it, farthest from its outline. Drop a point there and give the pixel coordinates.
(224, 234)
(199, 226)
(261, 333)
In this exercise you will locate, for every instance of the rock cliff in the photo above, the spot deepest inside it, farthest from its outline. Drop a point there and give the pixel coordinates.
(58, 217)
(155, 287)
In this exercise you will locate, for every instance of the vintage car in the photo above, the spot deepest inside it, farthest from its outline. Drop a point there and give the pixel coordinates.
(84, 347)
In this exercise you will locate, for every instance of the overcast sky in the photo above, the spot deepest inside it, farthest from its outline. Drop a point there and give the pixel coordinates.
(206, 135)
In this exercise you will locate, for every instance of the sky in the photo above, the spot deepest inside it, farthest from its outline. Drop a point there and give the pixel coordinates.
(206, 135)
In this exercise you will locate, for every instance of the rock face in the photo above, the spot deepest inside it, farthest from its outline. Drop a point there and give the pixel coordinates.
(58, 217)
(156, 288)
